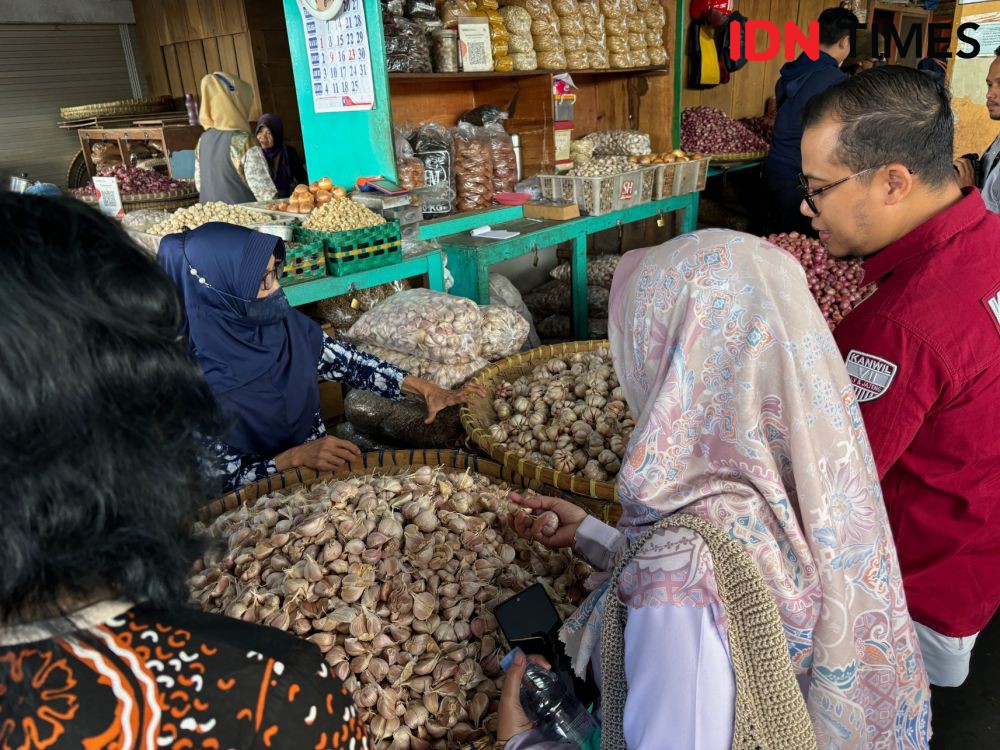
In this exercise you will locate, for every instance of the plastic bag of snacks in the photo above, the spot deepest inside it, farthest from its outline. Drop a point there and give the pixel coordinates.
(504, 160)
(578, 60)
(640, 57)
(619, 143)
(521, 45)
(657, 55)
(433, 325)
(554, 60)
(504, 332)
(517, 20)
(445, 375)
(408, 50)
(598, 59)
(452, 10)
(525, 61)
(409, 169)
(600, 271)
(432, 144)
(620, 61)
(617, 45)
(473, 168)
(503, 63)
(613, 10)
(344, 311)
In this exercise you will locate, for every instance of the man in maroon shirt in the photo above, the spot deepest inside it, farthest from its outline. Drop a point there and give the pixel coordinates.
(923, 351)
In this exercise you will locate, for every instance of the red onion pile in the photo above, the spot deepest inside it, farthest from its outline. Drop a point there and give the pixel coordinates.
(136, 181)
(759, 126)
(836, 284)
(714, 132)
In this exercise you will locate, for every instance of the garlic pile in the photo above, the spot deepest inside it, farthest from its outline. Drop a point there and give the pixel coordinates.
(203, 213)
(394, 578)
(340, 214)
(569, 414)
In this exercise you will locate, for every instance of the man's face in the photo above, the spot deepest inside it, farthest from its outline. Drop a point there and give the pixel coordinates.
(993, 90)
(848, 213)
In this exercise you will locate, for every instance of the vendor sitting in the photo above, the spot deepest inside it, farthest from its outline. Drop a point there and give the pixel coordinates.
(262, 359)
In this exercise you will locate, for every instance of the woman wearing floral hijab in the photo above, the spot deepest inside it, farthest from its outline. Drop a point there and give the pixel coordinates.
(746, 424)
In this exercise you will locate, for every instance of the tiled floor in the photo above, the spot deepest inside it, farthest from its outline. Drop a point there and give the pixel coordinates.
(968, 717)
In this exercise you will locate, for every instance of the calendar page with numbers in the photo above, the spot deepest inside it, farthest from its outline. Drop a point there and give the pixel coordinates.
(340, 65)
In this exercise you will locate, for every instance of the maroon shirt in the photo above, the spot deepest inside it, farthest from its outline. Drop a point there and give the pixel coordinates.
(923, 353)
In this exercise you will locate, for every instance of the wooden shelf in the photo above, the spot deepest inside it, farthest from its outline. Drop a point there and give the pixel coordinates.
(661, 69)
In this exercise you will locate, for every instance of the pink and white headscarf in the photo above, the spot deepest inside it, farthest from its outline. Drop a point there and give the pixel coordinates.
(745, 417)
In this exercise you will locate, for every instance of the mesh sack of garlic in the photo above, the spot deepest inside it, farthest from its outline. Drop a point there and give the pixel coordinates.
(439, 327)
(554, 297)
(394, 578)
(600, 270)
(568, 413)
(504, 331)
(446, 376)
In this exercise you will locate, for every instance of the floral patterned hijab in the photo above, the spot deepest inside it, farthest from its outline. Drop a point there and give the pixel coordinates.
(745, 417)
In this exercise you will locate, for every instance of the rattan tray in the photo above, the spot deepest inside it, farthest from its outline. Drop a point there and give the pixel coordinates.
(389, 462)
(747, 156)
(121, 107)
(477, 419)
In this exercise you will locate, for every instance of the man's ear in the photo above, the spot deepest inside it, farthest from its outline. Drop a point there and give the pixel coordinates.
(899, 183)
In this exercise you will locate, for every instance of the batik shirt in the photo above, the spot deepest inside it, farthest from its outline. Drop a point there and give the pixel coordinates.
(338, 362)
(139, 677)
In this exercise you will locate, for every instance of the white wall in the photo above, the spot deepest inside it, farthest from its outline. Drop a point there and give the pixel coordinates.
(66, 11)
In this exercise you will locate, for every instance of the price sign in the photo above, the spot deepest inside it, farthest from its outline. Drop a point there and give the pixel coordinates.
(109, 200)
(339, 58)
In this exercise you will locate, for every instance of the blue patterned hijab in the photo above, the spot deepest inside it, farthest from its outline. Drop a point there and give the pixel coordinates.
(258, 355)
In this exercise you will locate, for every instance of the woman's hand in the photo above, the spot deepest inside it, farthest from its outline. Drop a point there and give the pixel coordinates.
(570, 517)
(438, 398)
(326, 454)
(511, 718)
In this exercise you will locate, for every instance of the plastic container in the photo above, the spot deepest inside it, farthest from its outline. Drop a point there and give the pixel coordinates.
(596, 195)
(691, 176)
(277, 230)
(664, 181)
(446, 51)
(564, 106)
(554, 709)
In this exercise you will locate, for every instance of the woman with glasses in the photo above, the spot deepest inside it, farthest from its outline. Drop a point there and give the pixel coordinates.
(263, 359)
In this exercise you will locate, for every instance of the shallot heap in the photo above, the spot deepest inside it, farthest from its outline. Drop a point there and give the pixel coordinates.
(714, 132)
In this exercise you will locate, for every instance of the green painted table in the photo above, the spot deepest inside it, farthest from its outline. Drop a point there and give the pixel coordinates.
(723, 168)
(428, 264)
(469, 258)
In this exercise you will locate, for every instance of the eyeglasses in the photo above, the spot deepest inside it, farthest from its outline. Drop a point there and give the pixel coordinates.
(808, 195)
(272, 278)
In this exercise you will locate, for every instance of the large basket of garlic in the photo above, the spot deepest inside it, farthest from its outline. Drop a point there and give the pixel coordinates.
(557, 415)
(392, 567)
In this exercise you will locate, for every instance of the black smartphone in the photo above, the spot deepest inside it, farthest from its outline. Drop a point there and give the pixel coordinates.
(529, 620)
(528, 614)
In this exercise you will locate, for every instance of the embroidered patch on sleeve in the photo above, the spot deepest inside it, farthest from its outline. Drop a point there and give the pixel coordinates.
(992, 304)
(871, 376)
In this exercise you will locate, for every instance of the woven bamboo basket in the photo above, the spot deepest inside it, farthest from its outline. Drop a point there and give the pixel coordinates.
(391, 462)
(480, 416)
(121, 107)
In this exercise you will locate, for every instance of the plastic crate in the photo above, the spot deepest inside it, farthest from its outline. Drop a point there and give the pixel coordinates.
(648, 183)
(691, 176)
(303, 263)
(665, 180)
(357, 250)
(597, 195)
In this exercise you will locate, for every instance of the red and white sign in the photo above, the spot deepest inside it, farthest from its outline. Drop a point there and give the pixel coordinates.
(628, 189)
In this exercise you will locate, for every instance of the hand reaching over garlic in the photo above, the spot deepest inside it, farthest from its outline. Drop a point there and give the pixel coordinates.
(568, 413)
(394, 578)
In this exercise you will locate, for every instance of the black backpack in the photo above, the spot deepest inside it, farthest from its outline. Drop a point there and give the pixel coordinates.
(722, 39)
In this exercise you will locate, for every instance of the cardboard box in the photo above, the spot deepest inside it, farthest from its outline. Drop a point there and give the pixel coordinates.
(551, 210)
(474, 44)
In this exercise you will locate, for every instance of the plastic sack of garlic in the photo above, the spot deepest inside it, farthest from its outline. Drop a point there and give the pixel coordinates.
(600, 270)
(504, 331)
(394, 578)
(446, 376)
(433, 325)
(568, 413)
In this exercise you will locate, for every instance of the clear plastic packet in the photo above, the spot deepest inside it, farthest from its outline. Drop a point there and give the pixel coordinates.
(577, 60)
(615, 27)
(421, 10)
(525, 61)
(571, 26)
(656, 16)
(653, 38)
(408, 47)
(432, 325)
(617, 45)
(620, 61)
(640, 57)
(520, 45)
(657, 56)
(620, 142)
(635, 23)
(503, 292)
(504, 159)
(432, 144)
(452, 10)
(487, 114)
(553, 60)
(445, 375)
(473, 168)
(612, 9)
(504, 332)
(409, 169)
(517, 20)
(548, 41)
(598, 59)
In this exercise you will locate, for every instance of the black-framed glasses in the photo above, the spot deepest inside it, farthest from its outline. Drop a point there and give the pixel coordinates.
(808, 195)
(272, 278)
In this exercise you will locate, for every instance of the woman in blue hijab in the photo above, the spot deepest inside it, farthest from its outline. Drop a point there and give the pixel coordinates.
(263, 359)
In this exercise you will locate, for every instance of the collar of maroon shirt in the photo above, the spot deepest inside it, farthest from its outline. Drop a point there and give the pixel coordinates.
(933, 233)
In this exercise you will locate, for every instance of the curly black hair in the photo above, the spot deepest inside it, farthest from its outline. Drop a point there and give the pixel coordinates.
(101, 409)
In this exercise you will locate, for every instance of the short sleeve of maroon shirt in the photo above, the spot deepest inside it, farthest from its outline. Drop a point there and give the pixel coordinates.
(923, 353)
